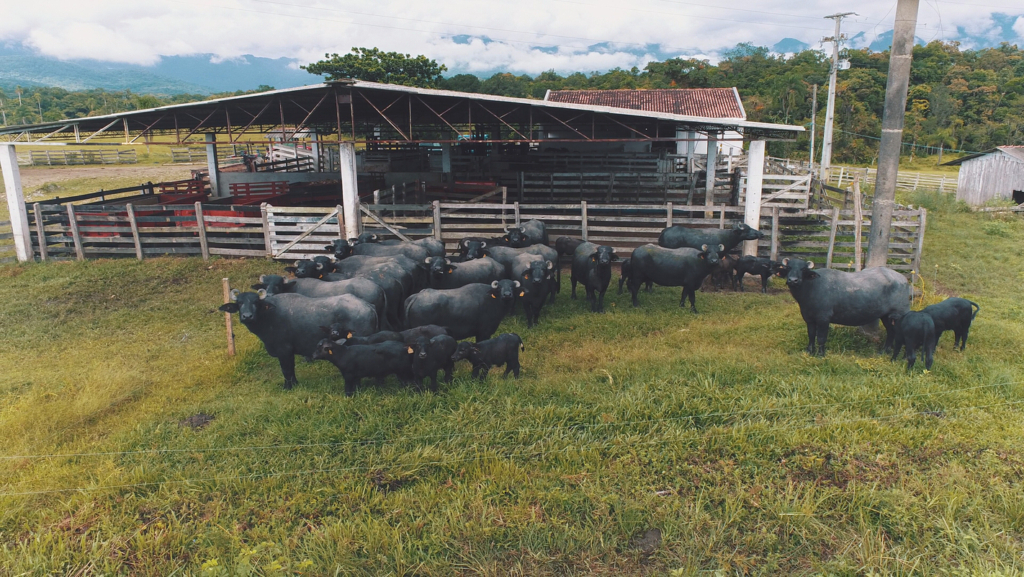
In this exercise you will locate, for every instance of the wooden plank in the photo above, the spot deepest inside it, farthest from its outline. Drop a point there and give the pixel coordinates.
(79, 254)
(232, 219)
(201, 225)
(583, 212)
(301, 209)
(267, 241)
(390, 229)
(236, 252)
(857, 222)
(40, 231)
(134, 226)
(919, 249)
(436, 210)
(832, 237)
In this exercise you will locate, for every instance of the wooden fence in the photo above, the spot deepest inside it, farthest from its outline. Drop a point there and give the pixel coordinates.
(6, 242)
(66, 157)
(840, 176)
(828, 236)
(197, 154)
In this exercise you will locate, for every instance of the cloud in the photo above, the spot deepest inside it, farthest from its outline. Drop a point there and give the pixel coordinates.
(529, 36)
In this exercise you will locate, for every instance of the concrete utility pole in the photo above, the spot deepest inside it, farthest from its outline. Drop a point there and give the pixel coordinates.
(814, 117)
(826, 138)
(900, 59)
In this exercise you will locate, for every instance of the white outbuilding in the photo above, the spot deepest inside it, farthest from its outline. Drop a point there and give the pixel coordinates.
(996, 174)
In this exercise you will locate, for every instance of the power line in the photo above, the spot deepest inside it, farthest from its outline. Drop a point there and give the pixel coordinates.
(479, 455)
(906, 143)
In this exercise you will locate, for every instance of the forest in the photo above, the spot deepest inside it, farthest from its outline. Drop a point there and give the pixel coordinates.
(960, 99)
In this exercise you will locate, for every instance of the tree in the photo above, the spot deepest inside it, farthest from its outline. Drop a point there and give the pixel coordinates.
(461, 83)
(373, 65)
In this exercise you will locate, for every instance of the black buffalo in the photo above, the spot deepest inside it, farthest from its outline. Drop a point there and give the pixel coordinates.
(289, 324)
(685, 267)
(442, 273)
(829, 296)
(759, 266)
(953, 314)
(915, 330)
(433, 246)
(363, 288)
(359, 361)
(536, 277)
(682, 237)
(501, 350)
(592, 266)
(337, 331)
(474, 310)
(506, 255)
(473, 247)
(432, 355)
(530, 232)
(566, 245)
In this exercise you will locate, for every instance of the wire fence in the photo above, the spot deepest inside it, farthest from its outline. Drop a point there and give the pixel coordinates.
(702, 434)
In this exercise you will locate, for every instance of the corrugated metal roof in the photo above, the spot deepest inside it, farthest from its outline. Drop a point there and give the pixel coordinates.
(704, 102)
(1016, 152)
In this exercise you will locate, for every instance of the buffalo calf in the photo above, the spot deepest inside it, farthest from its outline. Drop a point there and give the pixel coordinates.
(358, 361)
(501, 350)
(953, 314)
(432, 355)
(916, 330)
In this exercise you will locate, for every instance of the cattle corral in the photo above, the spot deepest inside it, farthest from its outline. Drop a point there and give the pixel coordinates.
(711, 431)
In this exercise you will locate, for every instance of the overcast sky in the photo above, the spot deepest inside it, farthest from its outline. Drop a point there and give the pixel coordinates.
(523, 36)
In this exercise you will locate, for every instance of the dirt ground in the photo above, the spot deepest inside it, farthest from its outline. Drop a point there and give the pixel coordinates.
(33, 177)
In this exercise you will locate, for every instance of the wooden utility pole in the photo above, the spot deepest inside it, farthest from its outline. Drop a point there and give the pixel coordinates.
(830, 112)
(900, 59)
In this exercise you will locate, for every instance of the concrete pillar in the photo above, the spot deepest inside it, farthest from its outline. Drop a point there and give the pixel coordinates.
(211, 164)
(681, 144)
(349, 190)
(446, 160)
(709, 196)
(16, 203)
(691, 149)
(315, 149)
(755, 180)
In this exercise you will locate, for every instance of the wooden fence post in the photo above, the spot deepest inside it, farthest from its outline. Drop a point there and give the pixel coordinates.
(858, 218)
(920, 240)
(721, 218)
(73, 223)
(583, 213)
(436, 205)
(774, 249)
(201, 227)
(227, 317)
(668, 214)
(516, 206)
(135, 231)
(267, 241)
(832, 236)
(40, 232)
(504, 201)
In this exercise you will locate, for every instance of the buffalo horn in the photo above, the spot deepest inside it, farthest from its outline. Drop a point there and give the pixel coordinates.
(262, 293)
(810, 264)
(494, 284)
(234, 294)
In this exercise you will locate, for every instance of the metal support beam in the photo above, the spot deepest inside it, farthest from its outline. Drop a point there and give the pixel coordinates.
(16, 203)
(709, 181)
(349, 190)
(755, 180)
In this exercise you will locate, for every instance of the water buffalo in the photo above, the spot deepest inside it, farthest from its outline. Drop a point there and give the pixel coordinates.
(474, 310)
(442, 273)
(762, 267)
(915, 330)
(289, 324)
(685, 267)
(337, 331)
(433, 246)
(592, 266)
(530, 232)
(680, 236)
(473, 247)
(536, 277)
(501, 350)
(432, 355)
(829, 296)
(363, 288)
(566, 245)
(953, 314)
(358, 361)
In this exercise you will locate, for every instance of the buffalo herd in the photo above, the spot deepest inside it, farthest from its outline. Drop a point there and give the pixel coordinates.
(387, 307)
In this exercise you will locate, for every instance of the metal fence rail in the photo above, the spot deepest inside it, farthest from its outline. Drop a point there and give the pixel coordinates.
(66, 157)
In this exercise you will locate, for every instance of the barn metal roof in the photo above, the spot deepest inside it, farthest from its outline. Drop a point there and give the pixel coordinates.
(706, 102)
(353, 109)
(1016, 152)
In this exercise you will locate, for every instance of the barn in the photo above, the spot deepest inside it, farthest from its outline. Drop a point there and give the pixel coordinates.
(996, 174)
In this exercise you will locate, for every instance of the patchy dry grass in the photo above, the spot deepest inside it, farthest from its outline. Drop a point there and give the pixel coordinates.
(749, 456)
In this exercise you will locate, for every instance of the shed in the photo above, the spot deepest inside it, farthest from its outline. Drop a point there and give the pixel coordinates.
(993, 174)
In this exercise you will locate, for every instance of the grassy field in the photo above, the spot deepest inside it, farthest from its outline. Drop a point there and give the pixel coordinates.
(747, 455)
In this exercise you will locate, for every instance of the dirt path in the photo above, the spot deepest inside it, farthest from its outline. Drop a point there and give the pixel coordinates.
(33, 177)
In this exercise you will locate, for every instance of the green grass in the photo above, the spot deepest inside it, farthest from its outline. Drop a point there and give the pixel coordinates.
(748, 455)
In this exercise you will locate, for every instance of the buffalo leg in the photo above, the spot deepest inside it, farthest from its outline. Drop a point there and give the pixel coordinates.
(963, 338)
(634, 287)
(929, 354)
(449, 369)
(287, 362)
(897, 345)
(573, 280)
(738, 280)
(890, 333)
(350, 385)
(911, 354)
(600, 301)
(650, 286)
(822, 334)
(433, 381)
(512, 367)
(764, 283)
(812, 332)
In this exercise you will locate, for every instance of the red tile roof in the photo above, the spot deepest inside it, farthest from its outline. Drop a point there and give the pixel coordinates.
(706, 102)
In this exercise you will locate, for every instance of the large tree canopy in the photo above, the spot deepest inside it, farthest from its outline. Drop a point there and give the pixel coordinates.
(372, 65)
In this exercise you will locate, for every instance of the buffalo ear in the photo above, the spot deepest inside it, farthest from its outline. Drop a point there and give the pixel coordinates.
(810, 264)
(229, 307)
(704, 248)
(258, 285)
(290, 269)
(234, 294)
(329, 247)
(785, 262)
(517, 284)
(483, 244)
(451, 268)
(551, 265)
(721, 248)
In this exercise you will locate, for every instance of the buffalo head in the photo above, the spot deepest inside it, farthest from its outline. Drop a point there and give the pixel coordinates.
(712, 253)
(799, 270)
(248, 305)
(341, 248)
(275, 284)
(506, 290)
(748, 233)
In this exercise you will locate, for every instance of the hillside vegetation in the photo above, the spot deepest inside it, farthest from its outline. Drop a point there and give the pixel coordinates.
(747, 455)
